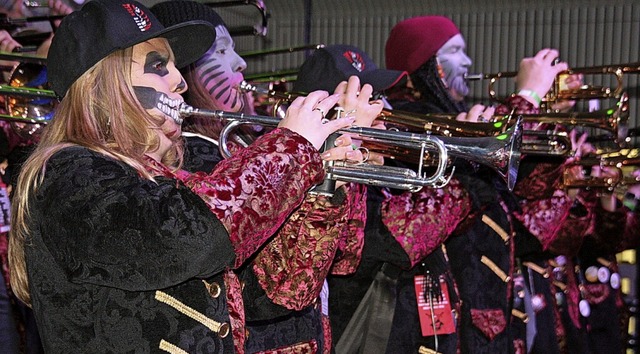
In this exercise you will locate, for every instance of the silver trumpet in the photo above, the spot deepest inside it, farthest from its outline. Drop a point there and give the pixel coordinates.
(501, 153)
(384, 176)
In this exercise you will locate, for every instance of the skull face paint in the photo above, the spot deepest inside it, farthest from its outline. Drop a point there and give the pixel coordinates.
(150, 98)
(220, 72)
(156, 81)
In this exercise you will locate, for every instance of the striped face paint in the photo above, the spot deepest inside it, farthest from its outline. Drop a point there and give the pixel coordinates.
(220, 72)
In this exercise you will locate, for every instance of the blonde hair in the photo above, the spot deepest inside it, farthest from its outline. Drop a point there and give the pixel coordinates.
(99, 112)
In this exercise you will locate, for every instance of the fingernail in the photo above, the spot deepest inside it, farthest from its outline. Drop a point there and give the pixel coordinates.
(338, 142)
(351, 155)
(325, 155)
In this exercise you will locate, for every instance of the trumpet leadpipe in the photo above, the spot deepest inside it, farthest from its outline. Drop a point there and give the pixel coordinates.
(359, 173)
(474, 76)
(287, 96)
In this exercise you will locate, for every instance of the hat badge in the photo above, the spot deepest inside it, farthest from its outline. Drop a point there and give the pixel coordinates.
(355, 59)
(139, 17)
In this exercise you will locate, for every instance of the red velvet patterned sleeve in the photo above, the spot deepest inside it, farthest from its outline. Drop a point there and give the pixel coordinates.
(559, 223)
(293, 266)
(421, 221)
(352, 239)
(631, 236)
(541, 183)
(616, 231)
(254, 191)
(519, 103)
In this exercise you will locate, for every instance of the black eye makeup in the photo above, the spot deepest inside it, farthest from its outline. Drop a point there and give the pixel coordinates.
(156, 63)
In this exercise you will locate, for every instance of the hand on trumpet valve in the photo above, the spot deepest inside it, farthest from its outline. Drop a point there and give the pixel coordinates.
(356, 101)
(537, 74)
(478, 114)
(611, 176)
(579, 146)
(305, 117)
(347, 149)
(567, 83)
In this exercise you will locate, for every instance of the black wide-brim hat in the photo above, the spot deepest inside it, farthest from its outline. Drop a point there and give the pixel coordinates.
(101, 27)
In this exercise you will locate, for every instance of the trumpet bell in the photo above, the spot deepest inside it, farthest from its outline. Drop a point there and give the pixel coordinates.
(23, 108)
(501, 152)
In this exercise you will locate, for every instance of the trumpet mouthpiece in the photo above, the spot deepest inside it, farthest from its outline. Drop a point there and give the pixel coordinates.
(473, 77)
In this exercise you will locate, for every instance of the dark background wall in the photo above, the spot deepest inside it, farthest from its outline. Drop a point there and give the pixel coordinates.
(498, 32)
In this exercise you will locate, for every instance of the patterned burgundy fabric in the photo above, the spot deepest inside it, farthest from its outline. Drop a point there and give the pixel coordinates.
(541, 183)
(519, 103)
(615, 231)
(301, 348)
(490, 322)
(236, 310)
(351, 241)
(422, 221)
(292, 266)
(543, 218)
(4, 246)
(106, 246)
(253, 201)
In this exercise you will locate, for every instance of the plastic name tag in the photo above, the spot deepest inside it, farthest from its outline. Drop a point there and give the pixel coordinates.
(439, 319)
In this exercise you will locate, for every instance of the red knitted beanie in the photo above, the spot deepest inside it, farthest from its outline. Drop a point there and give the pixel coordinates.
(413, 41)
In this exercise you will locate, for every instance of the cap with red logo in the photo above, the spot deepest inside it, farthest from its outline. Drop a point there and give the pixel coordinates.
(101, 27)
(330, 65)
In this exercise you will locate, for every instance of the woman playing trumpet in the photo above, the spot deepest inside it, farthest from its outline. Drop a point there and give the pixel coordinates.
(110, 239)
(284, 281)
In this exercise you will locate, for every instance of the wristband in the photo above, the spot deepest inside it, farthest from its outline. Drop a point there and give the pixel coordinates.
(532, 94)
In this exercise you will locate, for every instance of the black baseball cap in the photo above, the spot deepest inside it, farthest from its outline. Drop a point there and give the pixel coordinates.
(101, 27)
(330, 65)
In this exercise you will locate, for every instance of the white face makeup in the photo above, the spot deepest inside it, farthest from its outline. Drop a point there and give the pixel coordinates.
(220, 72)
(158, 86)
(455, 63)
(156, 80)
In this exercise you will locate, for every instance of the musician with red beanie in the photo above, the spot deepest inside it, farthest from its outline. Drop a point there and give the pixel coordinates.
(481, 253)
(496, 256)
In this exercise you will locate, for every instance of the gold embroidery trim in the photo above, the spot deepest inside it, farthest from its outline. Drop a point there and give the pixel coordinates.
(604, 262)
(521, 315)
(536, 268)
(489, 263)
(168, 347)
(495, 227)
(188, 311)
(425, 350)
(560, 285)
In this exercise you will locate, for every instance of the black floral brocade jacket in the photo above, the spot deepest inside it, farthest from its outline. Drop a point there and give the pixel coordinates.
(118, 263)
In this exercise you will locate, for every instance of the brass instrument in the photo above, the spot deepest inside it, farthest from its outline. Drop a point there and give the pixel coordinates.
(278, 98)
(559, 93)
(444, 124)
(535, 142)
(29, 103)
(23, 58)
(501, 152)
(614, 119)
(622, 162)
